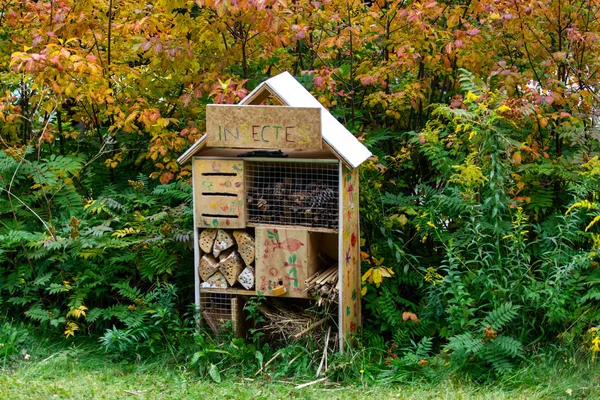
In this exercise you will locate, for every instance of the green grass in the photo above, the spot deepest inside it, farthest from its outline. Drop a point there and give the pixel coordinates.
(75, 373)
(82, 371)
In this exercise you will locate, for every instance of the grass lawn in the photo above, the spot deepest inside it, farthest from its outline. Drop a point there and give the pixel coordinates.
(83, 373)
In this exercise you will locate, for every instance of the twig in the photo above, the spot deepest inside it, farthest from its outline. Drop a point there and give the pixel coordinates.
(294, 359)
(324, 358)
(267, 363)
(49, 357)
(310, 383)
(311, 327)
(133, 392)
(33, 212)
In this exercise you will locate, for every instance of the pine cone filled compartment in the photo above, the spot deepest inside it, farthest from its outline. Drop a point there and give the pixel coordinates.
(293, 193)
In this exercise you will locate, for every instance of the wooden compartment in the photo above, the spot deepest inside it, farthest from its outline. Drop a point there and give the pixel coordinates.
(219, 309)
(219, 186)
(286, 257)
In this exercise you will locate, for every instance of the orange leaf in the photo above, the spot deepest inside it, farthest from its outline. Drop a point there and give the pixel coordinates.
(166, 177)
(408, 315)
(517, 157)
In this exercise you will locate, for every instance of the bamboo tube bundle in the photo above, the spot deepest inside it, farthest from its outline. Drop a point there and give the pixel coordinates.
(324, 284)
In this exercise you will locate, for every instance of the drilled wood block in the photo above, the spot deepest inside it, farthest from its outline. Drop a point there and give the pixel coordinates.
(231, 267)
(223, 241)
(217, 281)
(207, 240)
(246, 246)
(246, 278)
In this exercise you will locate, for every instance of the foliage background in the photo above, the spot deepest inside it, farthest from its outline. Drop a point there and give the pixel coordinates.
(479, 207)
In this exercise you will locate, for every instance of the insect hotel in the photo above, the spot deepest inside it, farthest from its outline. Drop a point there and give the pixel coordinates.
(276, 205)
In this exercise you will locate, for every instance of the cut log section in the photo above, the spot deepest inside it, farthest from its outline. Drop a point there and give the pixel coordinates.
(245, 243)
(207, 240)
(246, 278)
(225, 254)
(231, 267)
(208, 266)
(223, 241)
(216, 281)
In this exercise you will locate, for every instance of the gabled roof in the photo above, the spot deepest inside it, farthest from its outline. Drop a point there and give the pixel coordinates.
(286, 89)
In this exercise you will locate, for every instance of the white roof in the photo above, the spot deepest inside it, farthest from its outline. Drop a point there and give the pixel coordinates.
(293, 94)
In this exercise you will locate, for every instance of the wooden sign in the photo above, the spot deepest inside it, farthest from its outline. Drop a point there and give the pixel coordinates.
(263, 127)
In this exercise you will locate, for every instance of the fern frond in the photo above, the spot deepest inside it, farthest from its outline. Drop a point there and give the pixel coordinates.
(158, 262)
(502, 315)
(465, 343)
(509, 345)
(127, 291)
(37, 313)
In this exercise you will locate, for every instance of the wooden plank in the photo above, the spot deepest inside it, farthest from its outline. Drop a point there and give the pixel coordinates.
(243, 292)
(349, 257)
(221, 206)
(197, 255)
(307, 228)
(221, 183)
(261, 94)
(219, 193)
(282, 258)
(219, 222)
(263, 127)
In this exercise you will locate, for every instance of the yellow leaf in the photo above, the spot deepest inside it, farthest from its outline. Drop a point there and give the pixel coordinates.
(225, 85)
(71, 328)
(596, 219)
(517, 157)
(403, 220)
(377, 278)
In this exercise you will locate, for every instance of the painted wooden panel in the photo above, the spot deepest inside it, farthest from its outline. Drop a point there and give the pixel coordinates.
(283, 257)
(263, 127)
(219, 193)
(350, 312)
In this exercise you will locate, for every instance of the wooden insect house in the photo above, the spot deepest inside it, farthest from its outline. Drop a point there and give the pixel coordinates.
(276, 205)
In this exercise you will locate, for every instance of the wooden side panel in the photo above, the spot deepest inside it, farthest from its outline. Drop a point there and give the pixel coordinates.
(349, 256)
(263, 127)
(197, 255)
(219, 196)
(282, 258)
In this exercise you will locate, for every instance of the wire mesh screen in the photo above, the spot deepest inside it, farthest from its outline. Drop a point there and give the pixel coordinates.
(219, 312)
(290, 193)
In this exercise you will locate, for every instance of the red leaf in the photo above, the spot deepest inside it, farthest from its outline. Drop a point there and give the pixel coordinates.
(318, 81)
(166, 177)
